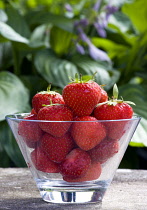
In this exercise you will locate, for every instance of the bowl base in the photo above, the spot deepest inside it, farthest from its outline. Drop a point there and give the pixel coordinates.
(63, 192)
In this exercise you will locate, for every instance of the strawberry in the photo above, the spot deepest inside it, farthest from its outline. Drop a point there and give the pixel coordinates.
(104, 95)
(87, 134)
(33, 111)
(82, 96)
(44, 98)
(55, 113)
(103, 151)
(57, 148)
(30, 130)
(93, 173)
(114, 109)
(76, 164)
(42, 162)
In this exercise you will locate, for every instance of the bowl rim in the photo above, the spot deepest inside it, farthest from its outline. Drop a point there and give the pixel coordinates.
(15, 117)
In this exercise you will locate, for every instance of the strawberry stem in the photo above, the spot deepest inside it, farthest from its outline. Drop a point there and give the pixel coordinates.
(49, 87)
(115, 92)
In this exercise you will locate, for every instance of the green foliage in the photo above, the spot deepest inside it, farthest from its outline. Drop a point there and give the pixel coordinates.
(37, 47)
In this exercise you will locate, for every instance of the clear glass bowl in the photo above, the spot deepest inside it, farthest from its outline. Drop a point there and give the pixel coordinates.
(105, 156)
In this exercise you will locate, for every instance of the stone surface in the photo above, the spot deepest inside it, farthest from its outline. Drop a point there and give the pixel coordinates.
(18, 191)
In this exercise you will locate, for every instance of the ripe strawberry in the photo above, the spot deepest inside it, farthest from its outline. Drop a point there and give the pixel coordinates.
(114, 110)
(57, 148)
(104, 96)
(76, 164)
(103, 151)
(81, 96)
(30, 130)
(93, 173)
(42, 162)
(87, 134)
(110, 111)
(45, 97)
(55, 113)
(33, 111)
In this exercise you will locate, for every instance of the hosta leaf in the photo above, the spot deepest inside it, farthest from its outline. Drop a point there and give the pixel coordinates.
(137, 12)
(3, 16)
(8, 33)
(17, 22)
(54, 70)
(104, 72)
(137, 94)
(9, 144)
(140, 136)
(60, 40)
(122, 21)
(5, 55)
(42, 17)
(14, 96)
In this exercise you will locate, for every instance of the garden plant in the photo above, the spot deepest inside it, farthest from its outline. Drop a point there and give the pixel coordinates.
(48, 42)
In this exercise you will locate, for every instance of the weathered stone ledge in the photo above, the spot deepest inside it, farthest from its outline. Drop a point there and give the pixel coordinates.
(128, 191)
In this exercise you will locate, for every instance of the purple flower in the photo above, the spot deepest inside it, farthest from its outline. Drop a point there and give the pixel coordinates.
(100, 29)
(80, 49)
(81, 23)
(68, 7)
(98, 54)
(110, 10)
(97, 5)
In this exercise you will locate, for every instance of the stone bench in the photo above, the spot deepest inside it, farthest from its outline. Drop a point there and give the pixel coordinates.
(18, 191)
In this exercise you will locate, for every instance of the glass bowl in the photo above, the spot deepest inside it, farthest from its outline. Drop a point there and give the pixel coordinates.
(64, 169)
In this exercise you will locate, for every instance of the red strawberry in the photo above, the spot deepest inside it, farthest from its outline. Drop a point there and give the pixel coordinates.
(42, 162)
(103, 151)
(114, 110)
(55, 113)
(45, 97)
(110, 111)
(30, 130)
(33, 111)
(81, 96)
(57, 148)
(76, 164)
(104, 96)
(93, 173)
(87, 134)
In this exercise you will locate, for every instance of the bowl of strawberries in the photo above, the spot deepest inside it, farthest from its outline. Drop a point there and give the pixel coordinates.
(74, 142)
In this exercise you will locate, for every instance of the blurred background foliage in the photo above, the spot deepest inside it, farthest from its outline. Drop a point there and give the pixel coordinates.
(45, 42)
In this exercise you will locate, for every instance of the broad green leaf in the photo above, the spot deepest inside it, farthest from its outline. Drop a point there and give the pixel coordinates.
(140, 136)
(137, 94)
(137, 12)
(54, 70)
(13, 94)
(40, 36)
(41, 17)
(113, 49)
(3, 16)
(5, 55)
(7, 32)
(17, 22)
(104, 72)
(60, 40)
(9, 144)
(122, 21)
